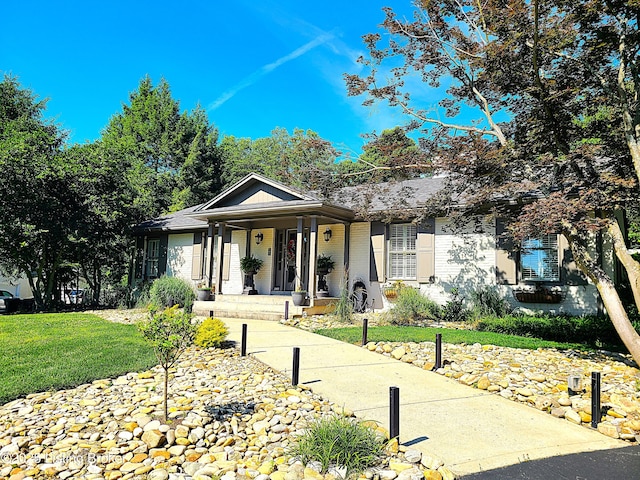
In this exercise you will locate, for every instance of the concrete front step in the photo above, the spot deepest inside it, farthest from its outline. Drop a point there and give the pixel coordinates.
(265, 307)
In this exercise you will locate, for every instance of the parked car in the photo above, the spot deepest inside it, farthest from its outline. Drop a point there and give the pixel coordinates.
(76, 297)
(8, 302)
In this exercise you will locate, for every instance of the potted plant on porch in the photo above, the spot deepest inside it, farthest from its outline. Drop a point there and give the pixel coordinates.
(250, 265)
(299, 296)
(325, 264)
(204, 292)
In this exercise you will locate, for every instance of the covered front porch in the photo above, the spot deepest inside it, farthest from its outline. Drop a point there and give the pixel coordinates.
(286, 230)
(261, 307)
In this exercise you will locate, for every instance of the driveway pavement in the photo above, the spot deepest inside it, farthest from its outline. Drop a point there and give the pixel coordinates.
(470, 430)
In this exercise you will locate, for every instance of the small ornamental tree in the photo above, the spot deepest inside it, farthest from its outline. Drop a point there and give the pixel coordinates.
(170, 332)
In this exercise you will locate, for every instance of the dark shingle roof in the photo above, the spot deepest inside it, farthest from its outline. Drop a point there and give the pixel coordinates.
(406, 194)
(382, 197)
(180, 220)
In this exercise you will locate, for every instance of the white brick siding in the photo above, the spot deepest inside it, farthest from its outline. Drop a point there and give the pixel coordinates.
(179, 255)
(335, 249)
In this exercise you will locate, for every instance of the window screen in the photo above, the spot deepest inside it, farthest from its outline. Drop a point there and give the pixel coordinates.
(402, 251)
(153, 253)
(539, 258)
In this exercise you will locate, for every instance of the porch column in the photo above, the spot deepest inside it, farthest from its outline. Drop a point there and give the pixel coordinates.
(219, 254)
(347, 235)
(208, 264)
(144, 257)
(299, 248)
(313, 253)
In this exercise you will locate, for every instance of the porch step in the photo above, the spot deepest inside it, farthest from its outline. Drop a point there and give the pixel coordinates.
(259, 307)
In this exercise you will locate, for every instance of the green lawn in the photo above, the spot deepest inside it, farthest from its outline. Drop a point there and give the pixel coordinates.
(53, 351)
(423, 334)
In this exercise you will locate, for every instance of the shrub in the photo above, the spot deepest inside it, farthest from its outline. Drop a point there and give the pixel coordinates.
(412, 306)
(169, 291)
(488, 301)
(454, 310)
(344, 306)
(212, 332)
(590, 330)
(341, 442)
(140, 297)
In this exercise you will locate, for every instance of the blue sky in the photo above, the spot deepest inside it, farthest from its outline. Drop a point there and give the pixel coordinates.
(253, 65)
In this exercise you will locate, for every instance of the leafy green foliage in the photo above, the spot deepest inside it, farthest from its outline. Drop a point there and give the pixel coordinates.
(168, 291)
(170, 158)
(101, 240)
(539, 107)
(338, 441)
(301, 159)
(43, 352)
(590, 330)
(325, 262)
(250, 263)
(394, 333)
(390, 156)
(344, 306)
(36, 200)
(212, 332)
(488, 301)
(454, 310)
(412, 306)
(170, 332)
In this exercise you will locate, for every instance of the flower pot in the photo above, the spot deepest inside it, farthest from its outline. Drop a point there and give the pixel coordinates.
(299, 298)
(538, 297)
(203, 295)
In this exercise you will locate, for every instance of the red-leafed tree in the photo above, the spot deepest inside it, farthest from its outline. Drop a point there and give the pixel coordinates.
(551, 88)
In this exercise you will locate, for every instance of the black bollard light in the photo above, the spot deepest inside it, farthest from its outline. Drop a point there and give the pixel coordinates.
(295, 373)
(438, 351)
(365, 327)
(210, 313)
(596, 412)
(286, 310)
(243, 345)
(394, 413)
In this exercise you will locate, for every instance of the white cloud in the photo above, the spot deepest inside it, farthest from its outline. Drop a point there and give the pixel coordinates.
(268, 68)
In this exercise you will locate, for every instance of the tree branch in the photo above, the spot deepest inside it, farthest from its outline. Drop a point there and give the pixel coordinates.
(375, 168)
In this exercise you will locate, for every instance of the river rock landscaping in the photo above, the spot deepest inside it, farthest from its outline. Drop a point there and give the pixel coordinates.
(231, 417)
(535, 377)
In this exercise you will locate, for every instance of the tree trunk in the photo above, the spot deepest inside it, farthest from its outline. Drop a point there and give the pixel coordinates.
(630, 265)
(166, 394)
(608, 293)
(37, 296)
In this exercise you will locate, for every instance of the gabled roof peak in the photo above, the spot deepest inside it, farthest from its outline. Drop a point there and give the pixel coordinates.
(276, 188)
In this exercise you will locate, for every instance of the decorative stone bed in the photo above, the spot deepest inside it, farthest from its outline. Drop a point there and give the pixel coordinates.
(231, 418)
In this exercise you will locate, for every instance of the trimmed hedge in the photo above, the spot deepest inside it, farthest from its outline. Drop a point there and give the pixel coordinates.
(590, 330)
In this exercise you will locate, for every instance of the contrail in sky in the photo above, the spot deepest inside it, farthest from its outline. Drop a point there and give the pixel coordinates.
(268, 68)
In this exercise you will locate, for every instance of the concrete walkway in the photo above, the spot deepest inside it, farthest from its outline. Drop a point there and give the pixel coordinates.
(468, 429)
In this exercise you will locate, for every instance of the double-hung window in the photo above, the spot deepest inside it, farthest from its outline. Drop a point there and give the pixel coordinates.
(153, 254)
(402, 251)
(539, 259)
